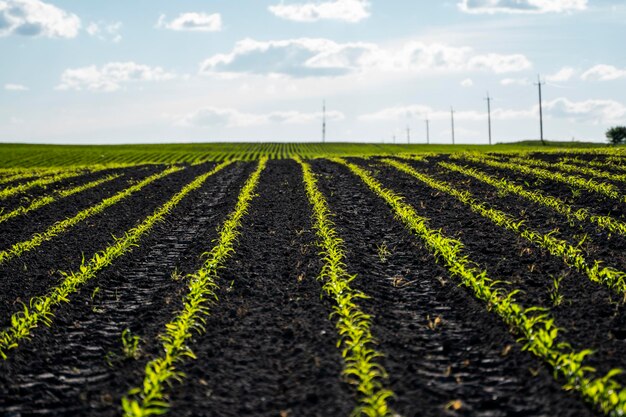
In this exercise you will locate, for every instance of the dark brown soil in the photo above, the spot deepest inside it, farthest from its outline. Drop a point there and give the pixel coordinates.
(38, 269)
(431, 366)
(77, 367)
(589, 312)
(270, 345)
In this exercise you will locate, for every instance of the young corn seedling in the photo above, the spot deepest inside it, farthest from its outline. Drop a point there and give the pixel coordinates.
(130, 345)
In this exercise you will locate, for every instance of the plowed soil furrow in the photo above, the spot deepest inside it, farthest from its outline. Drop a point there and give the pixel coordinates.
(441, 345)
(39, 220)
(269, 349)
(589, 313)
(37, 270)
(79, 363)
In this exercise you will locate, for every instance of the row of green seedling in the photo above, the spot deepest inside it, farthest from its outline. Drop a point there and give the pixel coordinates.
(573, 215)
(602, 188)
(606, 165)
(17, 249)
(353, 325)
(574, 169)
(533, 325)
(52, 178)
(19, 175)
(54, 196)
(151, 397)
(40, 309)
(573, 256)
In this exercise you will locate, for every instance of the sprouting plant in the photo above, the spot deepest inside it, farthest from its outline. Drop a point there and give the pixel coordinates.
(110, 358)
(434, 323)
(176, 274)
(555, 291)
(94, 293)
(130, 345)
(383, 252)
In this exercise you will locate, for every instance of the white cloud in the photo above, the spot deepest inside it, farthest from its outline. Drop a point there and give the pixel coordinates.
(110, 77)
(564, 74)
(224, 117)
(36, 18)
(198, 22)
(467, 83)
(603, 73)
(521, 6)
(309, 57)
(594, 111)
(351, 11)
(105, 31)
(15, 87)
(515, 81)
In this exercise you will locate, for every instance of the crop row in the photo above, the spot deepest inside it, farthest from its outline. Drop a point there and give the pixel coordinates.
(55, 196)
(608, 164)
(574, 169)
(62, 226)
(40, 309)
(602, 188)
(573, 215)
(150, 397)
(573, 256)
(533, 325)
(353, 325)
(536, 329)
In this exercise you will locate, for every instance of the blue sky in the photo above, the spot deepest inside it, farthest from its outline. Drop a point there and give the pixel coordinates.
(146, 71)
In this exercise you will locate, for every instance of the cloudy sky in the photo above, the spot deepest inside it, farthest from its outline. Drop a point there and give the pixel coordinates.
(257, 70)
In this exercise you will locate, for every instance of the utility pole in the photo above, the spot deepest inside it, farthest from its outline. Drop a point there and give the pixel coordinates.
(324, 121)
(452, 119)
(489, 114)
(408, 134)
(539, 84)
(427, 131)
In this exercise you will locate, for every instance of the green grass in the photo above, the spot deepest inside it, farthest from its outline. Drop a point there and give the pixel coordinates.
(23, 155)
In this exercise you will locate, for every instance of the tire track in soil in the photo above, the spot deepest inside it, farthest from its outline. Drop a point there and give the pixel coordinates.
(64, 369)
(270, 345)
(589, 313)
(36, 271)
(462, 358)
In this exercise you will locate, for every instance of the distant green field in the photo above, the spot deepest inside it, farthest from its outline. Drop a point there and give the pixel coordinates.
(22, 155)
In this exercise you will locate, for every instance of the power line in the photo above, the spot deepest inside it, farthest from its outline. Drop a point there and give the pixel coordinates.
(324, 121)
(452, 120)
(489, 114)
(539, 84)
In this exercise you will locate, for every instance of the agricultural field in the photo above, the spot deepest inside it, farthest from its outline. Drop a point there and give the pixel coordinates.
(312, 280)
